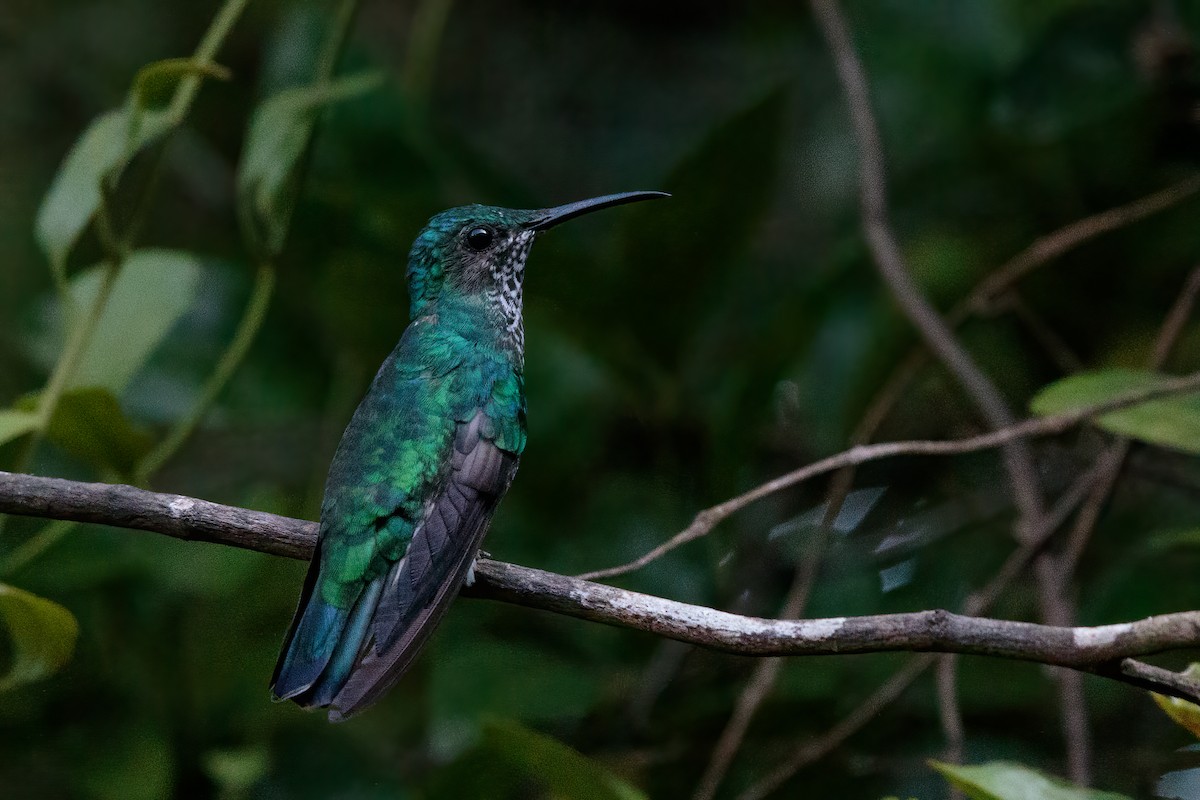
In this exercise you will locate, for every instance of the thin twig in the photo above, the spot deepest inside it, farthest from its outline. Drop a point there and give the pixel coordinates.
(890, 262)
(1055, 244)
(1094, 484)
(816, 749)
(1017, 457)
(766, 673)
(710, 517)
(950, 714)
(239, 346)
(762, 680)
(1114, 457)
(1055, 346)
(1177, 318)
(1044, 250)
(895, 686)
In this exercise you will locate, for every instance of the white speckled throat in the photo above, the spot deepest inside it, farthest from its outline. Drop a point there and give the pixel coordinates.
(507, 282)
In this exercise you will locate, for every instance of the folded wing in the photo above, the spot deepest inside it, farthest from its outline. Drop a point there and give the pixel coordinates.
(418, 588)
(345, 656)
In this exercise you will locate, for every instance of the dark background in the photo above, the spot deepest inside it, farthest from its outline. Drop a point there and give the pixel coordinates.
(678, 353)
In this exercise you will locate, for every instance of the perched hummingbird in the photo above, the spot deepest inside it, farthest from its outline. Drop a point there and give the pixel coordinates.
(425, 460)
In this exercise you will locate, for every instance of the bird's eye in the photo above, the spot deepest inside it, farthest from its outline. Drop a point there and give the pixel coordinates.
(480, 238)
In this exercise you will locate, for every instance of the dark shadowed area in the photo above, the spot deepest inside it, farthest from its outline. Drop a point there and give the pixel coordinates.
(207, 326)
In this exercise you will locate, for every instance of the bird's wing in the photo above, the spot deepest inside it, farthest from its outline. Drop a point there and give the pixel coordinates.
(415, 480)
(418, 588)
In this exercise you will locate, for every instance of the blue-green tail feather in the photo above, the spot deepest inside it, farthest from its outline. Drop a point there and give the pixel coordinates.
(349, 646)
(310, 644)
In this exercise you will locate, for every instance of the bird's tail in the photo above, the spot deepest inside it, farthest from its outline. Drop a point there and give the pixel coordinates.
(322, 644)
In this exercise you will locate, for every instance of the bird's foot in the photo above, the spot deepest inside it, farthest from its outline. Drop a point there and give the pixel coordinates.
(471, 569)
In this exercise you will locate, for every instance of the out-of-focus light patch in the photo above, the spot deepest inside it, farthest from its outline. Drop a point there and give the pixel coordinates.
(1183, 784)
(897, 576)
(904, 536)
(854, 510)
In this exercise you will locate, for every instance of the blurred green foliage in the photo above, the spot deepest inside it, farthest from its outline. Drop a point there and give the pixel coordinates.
(679, 352)
(1003, 781)
(1170, 422)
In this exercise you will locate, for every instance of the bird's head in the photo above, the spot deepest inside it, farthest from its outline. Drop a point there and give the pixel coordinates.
(481, 250)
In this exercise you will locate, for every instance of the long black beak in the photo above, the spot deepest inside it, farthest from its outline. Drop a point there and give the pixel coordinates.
(549, 217)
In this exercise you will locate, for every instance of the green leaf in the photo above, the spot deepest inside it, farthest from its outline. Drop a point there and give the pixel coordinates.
(1002, 780)
(15, 424)
(102, 152)
(155, 83)
(152, 291)
(97, 159)
(1167, 540)
(278, 135)
(42, 634)
(90, 425)
(1170, 422)
(565, 772)
(1184, 713)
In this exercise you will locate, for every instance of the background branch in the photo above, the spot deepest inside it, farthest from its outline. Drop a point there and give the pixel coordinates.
(709, 518)
(895, 686)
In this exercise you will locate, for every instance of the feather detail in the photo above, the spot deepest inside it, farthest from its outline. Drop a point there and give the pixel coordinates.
(421, 585)
(314, 635)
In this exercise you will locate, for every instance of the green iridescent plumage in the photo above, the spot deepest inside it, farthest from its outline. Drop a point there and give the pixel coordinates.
(423, 463)
(393, 453)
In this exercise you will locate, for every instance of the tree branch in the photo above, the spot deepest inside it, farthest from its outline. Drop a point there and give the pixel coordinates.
(710, 517)
(978, 603)
(1103, 650)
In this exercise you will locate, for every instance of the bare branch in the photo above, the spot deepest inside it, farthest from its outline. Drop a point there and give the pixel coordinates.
(170, 514)
(753, 695)
(766, 672)
(1100, 650)
(1176, 319)
(1113, 459)
(950, 714)
(1041, 252)
(978, 603)
(818, 748)
(1056, 243)
(710, 517)
(889, 260)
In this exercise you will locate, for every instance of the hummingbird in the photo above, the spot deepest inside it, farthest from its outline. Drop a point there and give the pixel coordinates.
(426, 458)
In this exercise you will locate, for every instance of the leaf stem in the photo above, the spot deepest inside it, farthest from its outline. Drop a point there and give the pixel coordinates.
(80, 333)
(218, 31)
(35, 545)
(264, 281)
(118, 246)
(335, 43)
(247, 330)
